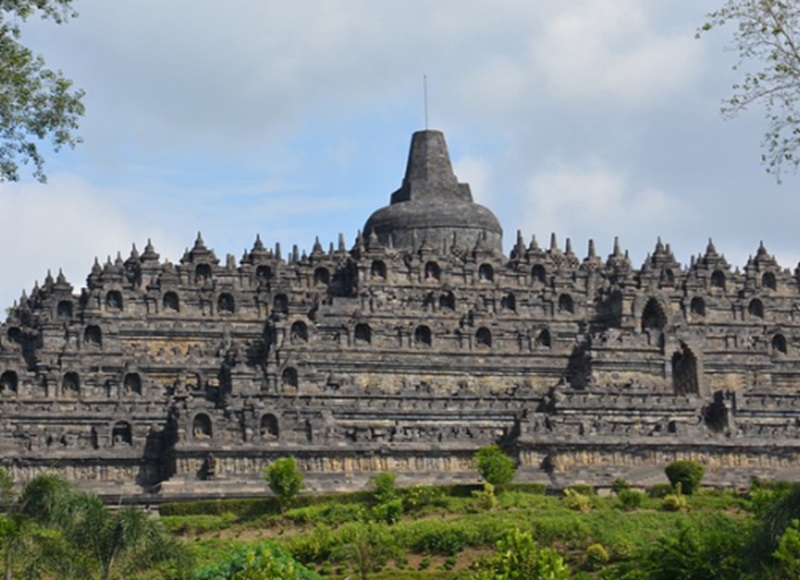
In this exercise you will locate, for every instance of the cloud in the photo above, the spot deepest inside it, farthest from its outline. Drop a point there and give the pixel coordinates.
(591, 200)
(595, 49)
(62, 225)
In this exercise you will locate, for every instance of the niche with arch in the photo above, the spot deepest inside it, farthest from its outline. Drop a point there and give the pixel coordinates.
(321, 276)
(422, 336)
(565, 304)
(269, 427)
(485, 273)
(121, 434)
(378, 269)
(289, 377)
(769, 281)
(718, 280)
(653, 316)
(543, 339)
(9, 383)
(432, 271)
(362, 333)
(226, 304)
(756, 308)
(263, 274)
(299, 332)
(202, 272)
(447, 301)
(64, 310)
(698, 307)
(684, 372)
(539, 274)
(280, 304)
(114, 300)
(779, 343)
(509, 302)
(93, 336)
(202, 427)
(483, 338)
(132, 384)
(171, 302)
(71, 384)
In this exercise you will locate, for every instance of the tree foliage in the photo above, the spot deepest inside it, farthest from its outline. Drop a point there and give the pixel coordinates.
(687, 474)
(518, 557)
(284, 479)
(766, 36)
(495, 466)
(36, 103)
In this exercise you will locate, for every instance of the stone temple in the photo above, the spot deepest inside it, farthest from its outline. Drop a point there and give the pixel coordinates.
(406, 352)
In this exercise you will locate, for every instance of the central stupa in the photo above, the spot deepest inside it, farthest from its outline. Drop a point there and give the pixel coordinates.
(432, 207)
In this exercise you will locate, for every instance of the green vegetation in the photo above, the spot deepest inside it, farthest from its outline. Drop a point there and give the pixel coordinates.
(685, 476)
(470, 532)
(37, 103)
(494, 466)
(285, 480)
(52, 530)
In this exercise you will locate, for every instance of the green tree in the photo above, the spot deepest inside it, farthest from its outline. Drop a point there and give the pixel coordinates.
(284, 479)
(766, 36)
(687, 474)
(36, 103)
(126, 540)
(495, 466)
(787, 555)
(518, 557)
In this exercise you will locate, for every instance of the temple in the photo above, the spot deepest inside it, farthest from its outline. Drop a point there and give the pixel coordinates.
(406, 352)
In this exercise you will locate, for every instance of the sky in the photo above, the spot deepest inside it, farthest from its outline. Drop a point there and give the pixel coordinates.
(291, 120)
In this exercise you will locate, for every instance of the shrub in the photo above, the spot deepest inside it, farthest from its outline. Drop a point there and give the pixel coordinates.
(596, 556)
(659, 490)
(495, 466)
(688, 474)
(264, 560)
(518, 556)
(675, 502)
(619, 485)
(383, 487)
(623, 549)
(486, 498)
(576, 501)
(787, 556)
(582, 489)
(285, 480)
(630, 499)
(417, 497)
(388, 511)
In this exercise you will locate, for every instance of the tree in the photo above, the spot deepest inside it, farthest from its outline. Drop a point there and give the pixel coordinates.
(766, 37)
(688, 474)
(36, 103)
(518, 557)
(495, 466)
(284, 479)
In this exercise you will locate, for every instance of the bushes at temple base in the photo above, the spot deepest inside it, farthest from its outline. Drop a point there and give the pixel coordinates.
(284, 479)
(687, 474)
(495, 466)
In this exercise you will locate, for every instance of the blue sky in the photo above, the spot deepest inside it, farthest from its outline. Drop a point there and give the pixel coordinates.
(588, 118)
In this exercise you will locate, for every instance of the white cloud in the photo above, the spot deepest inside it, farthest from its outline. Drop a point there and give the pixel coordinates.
(62, 225)
(596, 49)
(590, 200)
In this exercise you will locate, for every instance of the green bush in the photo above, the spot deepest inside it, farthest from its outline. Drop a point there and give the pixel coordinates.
(486, 499)
(596, 556)
(518, 556)
(577, 501)
(238, 507)
(675, 502)
(388, 512)
(264, 560)
(688, 474)
(383, 487)
(417, 497)
(495, 466)
(659, 490)
(284, 479)
(619, 485)
(582, 489)
(630, 499)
